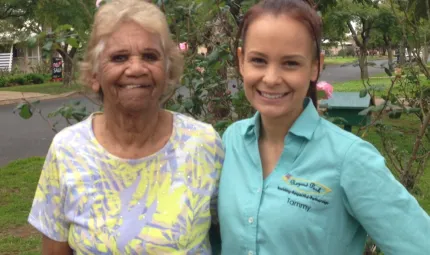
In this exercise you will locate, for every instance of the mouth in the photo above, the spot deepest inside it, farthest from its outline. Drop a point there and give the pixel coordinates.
(272, 95)
(136, 86)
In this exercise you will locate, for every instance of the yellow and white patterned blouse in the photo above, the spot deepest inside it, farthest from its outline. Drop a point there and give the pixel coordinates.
(102, 204)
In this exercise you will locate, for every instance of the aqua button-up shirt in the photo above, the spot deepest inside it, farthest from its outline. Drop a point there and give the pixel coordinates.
(327, 192)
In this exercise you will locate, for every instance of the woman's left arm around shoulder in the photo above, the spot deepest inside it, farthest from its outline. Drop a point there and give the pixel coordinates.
(387, 211)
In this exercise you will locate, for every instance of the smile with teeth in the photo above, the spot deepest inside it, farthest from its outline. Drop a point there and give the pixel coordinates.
(272, 95)
(135, 86)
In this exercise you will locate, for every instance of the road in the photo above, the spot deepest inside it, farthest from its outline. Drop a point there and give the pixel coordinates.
(25, 138)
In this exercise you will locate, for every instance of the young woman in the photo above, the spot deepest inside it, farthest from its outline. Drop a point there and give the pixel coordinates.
(292, 182)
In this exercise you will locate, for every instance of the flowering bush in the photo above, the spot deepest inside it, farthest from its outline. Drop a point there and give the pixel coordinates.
(325, 90)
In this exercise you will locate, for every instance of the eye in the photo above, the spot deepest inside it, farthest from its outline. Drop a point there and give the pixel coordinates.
(119, 58)
(258, 61)
(292, 64)
(151, 57)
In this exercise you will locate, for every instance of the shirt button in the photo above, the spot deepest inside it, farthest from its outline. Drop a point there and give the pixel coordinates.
(250, 220)
(250, 253)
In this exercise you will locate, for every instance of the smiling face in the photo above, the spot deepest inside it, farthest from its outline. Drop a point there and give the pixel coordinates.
(132, 73)
(277, 63)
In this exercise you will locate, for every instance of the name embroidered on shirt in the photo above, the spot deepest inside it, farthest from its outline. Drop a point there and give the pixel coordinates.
(306, 186)
(304, 195)
(300, 205)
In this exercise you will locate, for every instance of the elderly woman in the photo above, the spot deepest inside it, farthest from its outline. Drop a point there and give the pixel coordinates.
(134, 179)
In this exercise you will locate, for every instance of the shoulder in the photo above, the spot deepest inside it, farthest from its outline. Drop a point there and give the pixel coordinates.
(237, 130)
(353, 151)
(191, 126)
(76, 134)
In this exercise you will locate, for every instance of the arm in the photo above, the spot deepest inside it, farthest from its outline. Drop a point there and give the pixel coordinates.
(386, 210)
(47, 212)
(51, 247)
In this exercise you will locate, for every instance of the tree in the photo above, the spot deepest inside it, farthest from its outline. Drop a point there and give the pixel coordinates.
(388, 29)
(362, 13)
(16, 8)
(66, 24)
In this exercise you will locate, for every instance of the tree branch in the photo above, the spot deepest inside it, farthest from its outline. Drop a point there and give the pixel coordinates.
(354, 34)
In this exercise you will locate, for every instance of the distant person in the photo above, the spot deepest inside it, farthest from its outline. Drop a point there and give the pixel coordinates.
(292, 182)
(134, 179)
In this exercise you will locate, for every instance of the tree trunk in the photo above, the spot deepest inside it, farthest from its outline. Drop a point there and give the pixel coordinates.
(390, 58)
(402, 52)
(364, 71)
(425, 50)
(68, 74)
(387, 41)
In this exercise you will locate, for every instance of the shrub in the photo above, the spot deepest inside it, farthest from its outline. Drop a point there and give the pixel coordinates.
(34, 78)
(3, 81)
(17, 79)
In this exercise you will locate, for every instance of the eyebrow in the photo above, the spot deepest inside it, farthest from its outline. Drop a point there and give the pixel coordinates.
(284, 57)
(123, 51)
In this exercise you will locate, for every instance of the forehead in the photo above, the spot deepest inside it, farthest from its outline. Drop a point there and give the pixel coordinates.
(279, 33)
(131, 36)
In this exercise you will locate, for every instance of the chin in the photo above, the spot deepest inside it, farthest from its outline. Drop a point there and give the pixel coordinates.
(137, 107)
(272, 112)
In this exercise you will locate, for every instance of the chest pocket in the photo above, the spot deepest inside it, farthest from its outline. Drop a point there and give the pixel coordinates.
(313, 199)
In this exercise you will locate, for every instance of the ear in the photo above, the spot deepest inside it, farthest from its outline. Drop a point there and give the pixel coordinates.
(316, 67)
(95, 84)
(240, 59)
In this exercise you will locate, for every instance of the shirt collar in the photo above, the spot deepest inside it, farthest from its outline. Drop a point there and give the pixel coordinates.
(304, 126)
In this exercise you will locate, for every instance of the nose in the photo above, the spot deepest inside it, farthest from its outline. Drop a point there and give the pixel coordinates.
(272, 76)
(136, 67)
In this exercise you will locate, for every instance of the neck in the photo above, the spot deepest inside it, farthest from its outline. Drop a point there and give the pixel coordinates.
(274, 130)
(132, 129)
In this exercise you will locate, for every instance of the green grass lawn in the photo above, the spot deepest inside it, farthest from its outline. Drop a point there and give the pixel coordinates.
(346, 60)
(53, 88)
(17, 186)
(357, 85)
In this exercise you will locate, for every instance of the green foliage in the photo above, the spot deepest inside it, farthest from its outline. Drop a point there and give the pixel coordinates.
(22, 79)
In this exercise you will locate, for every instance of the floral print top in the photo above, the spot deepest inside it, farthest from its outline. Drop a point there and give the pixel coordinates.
(102, 204)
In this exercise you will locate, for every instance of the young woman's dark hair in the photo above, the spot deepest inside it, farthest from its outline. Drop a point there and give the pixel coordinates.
(301, 10)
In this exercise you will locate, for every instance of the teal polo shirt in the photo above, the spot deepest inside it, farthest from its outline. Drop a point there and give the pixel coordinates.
(328, 191)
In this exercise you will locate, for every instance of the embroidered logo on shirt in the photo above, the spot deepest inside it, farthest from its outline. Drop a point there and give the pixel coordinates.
(306, 186)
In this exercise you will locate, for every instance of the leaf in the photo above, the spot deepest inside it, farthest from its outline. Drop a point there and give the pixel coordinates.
(413, 110)
(25, 111)
(32, 41)
(366, 111)
(321, 94)
(388, 72)
(188, 104)
(395, 114)
(222, 124)
(363, 93)
(48, 45)
(72, 42)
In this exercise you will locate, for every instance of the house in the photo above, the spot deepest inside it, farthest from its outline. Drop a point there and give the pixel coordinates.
(19, 56)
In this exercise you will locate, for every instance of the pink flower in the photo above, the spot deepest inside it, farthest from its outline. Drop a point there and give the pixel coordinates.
(183, 46)
(98, 2)
(326, 87)
(200, 69)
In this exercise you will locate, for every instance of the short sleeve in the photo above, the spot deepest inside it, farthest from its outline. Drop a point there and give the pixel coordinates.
(47, 212)
(386, 210)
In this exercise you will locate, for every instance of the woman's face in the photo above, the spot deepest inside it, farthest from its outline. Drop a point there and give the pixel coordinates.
(132, 73)
(277, 64)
